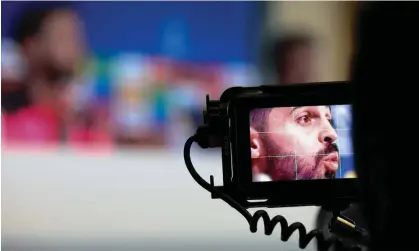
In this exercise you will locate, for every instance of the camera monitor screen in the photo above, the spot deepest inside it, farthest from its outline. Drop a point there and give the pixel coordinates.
(301, 143)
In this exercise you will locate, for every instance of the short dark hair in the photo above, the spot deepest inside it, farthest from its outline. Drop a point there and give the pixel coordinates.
(32, 18)
(287, 43)
(258, 118)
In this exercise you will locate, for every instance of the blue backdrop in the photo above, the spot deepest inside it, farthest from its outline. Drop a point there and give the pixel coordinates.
(192, 31)
(342, 122)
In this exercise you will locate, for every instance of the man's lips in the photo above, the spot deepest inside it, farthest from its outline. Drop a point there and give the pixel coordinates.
(333, 157)
(331, 162)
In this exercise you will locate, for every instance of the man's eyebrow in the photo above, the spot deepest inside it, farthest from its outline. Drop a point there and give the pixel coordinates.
(295, 108)
(299, 107)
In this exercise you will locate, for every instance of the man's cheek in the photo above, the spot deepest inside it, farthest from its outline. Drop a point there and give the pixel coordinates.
(293, 139)
(305, 149)
(307, 145)
(280, 145)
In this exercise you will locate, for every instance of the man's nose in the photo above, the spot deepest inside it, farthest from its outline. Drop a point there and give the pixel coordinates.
(328, 134)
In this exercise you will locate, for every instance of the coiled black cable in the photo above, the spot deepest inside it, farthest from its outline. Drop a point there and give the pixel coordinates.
(270, 224)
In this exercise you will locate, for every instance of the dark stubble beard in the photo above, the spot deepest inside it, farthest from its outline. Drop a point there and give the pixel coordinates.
(298, 167)
(307, 173)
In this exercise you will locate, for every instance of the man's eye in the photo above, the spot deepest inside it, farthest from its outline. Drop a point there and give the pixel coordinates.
(304, 120)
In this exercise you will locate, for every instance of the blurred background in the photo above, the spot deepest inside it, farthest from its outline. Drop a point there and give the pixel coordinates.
(98, 99)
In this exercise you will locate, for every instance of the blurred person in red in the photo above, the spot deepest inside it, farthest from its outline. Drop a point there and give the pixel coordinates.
(51, 44)
(293, 59)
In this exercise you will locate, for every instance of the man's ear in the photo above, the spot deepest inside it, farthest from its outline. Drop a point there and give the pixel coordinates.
(255, 144)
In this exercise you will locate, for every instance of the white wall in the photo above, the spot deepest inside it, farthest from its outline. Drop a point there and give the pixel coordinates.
(137, 196)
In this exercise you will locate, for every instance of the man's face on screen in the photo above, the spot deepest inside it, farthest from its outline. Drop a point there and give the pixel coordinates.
(298, 143)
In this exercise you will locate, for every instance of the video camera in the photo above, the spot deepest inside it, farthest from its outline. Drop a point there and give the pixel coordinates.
(280, 147)
(261, 171)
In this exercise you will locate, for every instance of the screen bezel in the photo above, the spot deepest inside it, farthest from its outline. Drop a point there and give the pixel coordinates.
(304, 192)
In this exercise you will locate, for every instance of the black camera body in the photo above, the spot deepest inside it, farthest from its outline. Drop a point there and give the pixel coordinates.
(227, 126)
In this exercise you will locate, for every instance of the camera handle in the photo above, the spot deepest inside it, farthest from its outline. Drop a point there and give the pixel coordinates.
(339, 226)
